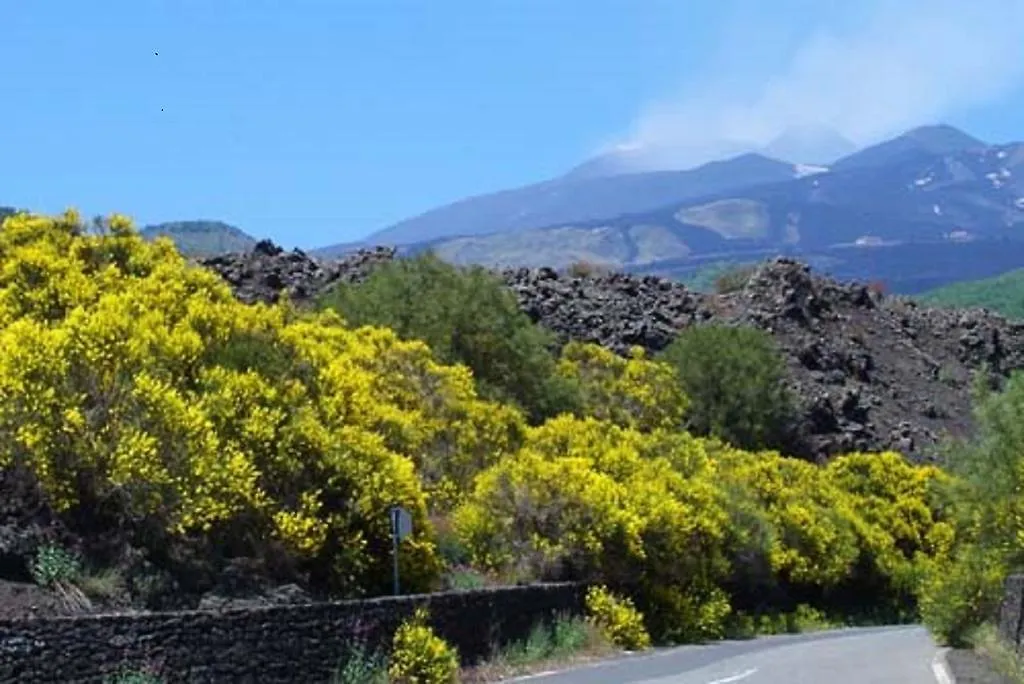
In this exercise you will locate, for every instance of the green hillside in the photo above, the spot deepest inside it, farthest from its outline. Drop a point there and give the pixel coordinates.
(1003, 294)
(202, 238)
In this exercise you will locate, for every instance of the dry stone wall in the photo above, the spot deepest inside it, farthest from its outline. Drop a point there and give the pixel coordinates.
(1011, 612)
(272, 645)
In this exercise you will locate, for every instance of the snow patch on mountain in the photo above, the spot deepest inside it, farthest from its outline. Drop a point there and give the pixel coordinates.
(802, 170)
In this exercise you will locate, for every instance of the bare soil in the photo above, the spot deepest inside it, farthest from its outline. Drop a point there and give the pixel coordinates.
(969, 667)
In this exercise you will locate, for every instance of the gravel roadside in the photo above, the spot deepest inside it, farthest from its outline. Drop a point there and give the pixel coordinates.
(968, 667)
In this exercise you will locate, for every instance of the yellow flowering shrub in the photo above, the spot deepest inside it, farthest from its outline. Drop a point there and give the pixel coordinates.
(587, 498)
(634, 392)
(418, 407)
(864, 525)
(617, 618)
(129, 376)
(898, 518)
(810, 538)
(133, 381)
(419, 656)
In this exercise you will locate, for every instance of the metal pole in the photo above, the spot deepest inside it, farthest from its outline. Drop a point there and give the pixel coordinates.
(394, 544)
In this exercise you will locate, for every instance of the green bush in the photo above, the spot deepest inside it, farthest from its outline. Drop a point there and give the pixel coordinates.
(962, 590)
(467, 316)
(734, 378)
(54, 564)
(960, 596)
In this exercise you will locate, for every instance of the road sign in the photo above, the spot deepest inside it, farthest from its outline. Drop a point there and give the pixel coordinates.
(401, 522)
(401, 527)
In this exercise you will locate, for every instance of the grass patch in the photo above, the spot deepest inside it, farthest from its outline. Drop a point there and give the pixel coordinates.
(988, 644)
(133, 677)
(465, 579)
(103, 584)
(361, 666)
(568, 640)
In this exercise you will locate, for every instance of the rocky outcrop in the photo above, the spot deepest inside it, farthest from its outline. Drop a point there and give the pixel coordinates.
(616, 310)
(872, 372)
(267, 271)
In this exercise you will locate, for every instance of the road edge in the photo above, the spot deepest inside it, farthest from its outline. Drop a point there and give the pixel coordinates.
(940, 668)
(658, 652)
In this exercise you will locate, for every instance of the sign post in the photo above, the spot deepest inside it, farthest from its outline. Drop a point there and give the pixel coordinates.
(401, 527)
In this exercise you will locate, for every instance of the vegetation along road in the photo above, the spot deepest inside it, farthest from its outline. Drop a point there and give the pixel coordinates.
(900, 655)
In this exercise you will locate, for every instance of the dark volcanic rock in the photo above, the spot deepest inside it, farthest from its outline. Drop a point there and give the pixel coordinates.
(266, 271)
(617, 311)
(872, 372)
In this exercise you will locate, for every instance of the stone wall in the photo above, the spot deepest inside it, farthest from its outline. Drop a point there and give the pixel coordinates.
(298, 643)
(1011, 612)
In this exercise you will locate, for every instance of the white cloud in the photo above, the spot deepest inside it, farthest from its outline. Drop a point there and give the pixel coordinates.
(907, 63)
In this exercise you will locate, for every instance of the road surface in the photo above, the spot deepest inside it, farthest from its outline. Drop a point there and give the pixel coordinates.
(879, 655)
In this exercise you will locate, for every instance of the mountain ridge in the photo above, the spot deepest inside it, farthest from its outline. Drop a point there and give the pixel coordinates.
(563, 200)
(202, 237)
(934, 186)
(932, 206)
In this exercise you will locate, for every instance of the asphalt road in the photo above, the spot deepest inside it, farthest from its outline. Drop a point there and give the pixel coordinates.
(880, 655)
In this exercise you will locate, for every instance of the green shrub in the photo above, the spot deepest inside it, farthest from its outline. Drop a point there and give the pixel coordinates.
(467, 316)
(54, 564)
(419, 656)
(133, 676)
(963, 590)
(959, 596)
(734, 378)
(569, 635)
(617, 618)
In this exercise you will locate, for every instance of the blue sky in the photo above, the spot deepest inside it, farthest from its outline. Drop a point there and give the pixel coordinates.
(319, 122)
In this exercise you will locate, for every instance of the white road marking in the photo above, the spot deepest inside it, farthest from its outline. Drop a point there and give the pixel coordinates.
(738, 677)
(532, 675)
(940, 670)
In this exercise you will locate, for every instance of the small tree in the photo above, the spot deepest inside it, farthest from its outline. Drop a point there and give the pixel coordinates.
(734, 378)
(986, 496)
(467, 316)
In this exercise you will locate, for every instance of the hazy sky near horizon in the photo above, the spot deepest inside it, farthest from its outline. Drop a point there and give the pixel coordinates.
(316, 122)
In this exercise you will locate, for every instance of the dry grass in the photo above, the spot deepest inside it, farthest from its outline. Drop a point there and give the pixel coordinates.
(103, 585)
